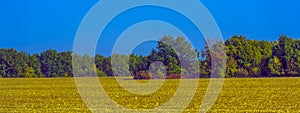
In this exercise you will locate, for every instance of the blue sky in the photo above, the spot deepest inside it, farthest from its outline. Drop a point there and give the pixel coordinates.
(36, 25)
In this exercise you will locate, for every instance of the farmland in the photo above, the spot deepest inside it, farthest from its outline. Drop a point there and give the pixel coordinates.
(237, 95)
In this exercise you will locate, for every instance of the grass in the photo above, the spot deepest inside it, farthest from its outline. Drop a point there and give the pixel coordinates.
(237, 95)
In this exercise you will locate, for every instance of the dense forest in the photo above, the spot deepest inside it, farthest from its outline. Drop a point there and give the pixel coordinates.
(245, 58)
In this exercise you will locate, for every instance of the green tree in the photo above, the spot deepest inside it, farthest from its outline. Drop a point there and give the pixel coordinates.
(275, 66)
(35, 64)
(29, 72)
(120, 65)
(65, 64)
(49, 63)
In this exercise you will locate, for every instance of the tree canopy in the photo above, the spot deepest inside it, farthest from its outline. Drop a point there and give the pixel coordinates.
(176, 57)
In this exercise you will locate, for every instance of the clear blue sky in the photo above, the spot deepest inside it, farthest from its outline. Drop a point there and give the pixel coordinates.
(36, 25)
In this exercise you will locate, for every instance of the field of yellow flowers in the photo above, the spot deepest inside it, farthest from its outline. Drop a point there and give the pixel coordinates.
(237, 95)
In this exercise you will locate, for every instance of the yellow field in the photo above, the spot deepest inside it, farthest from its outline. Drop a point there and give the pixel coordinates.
(237, 95)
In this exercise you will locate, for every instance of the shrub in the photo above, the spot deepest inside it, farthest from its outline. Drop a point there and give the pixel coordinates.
(41, 76)
(66, 75)
(174, 76)
(100, 73)
(158, 74)
(142, 75)
(241, 72)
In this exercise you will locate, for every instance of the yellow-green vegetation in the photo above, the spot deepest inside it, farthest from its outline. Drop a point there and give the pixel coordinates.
(237, 95)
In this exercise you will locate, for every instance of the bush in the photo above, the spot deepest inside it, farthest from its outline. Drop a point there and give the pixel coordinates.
(158, 74)
(41, 76)
(66, 75)
(142, 75)
(174, 76)
(100, 73)
(241, 72)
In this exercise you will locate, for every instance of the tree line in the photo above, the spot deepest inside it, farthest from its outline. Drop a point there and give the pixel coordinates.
(172, 58)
